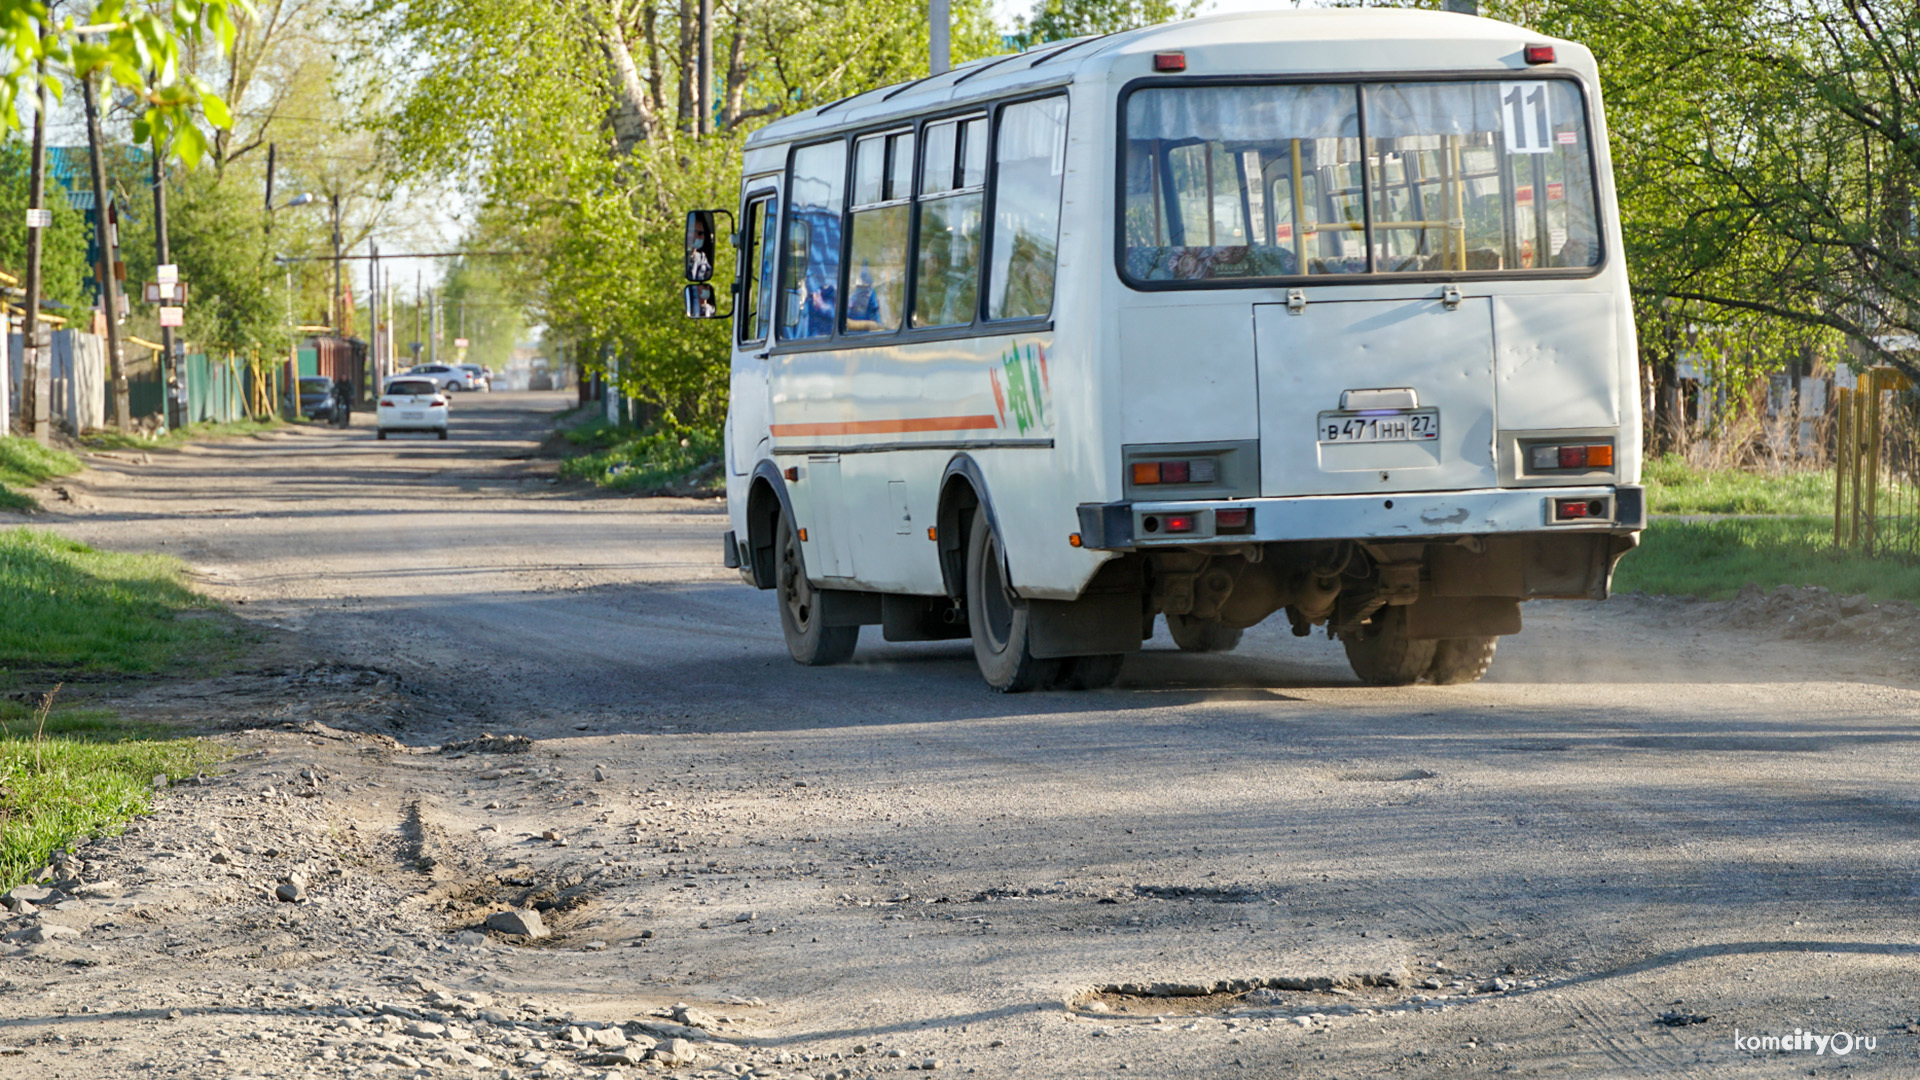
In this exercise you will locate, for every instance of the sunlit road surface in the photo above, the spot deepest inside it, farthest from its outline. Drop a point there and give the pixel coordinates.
(1636, 816)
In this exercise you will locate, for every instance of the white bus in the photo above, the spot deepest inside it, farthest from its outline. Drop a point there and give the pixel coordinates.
(1321, 313)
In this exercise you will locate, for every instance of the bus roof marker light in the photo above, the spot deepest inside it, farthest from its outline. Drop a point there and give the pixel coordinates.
(1539, 54)
(1177, 61)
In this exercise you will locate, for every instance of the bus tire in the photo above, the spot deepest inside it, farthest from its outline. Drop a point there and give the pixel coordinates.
(1091, 672)
(808, 640)
(999, 620)
(1461, 660)
(1382, 654)
(1202, 635)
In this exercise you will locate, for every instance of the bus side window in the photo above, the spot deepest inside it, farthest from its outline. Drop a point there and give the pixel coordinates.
(952, 190)
(1029, 165)
(769, 256)
(752, 324)
(810, 273)
(882, 203)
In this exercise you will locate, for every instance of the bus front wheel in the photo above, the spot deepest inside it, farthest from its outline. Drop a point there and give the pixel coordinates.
(809, 639)
(998, 619)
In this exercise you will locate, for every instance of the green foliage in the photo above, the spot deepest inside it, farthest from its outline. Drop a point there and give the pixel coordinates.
(76, 773)
(65, 606)
(217, 231)
(1714, 559)
(644, 462)
(25, 463)
(63, 245)
(587, 174)
(1766, 163)
(1058, 20)
(130, 45)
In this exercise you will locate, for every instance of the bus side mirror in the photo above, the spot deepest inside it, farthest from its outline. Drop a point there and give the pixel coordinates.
(699, 300)
(700, 245)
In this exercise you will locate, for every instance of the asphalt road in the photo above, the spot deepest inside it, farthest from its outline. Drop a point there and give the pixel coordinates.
(1635, 816)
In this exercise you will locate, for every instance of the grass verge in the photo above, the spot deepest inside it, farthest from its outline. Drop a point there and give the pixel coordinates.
(1674, 487)
(25, 463)
(71, 773)
(65, 607)
(653, 460)
(1713, 559)
(113, 440)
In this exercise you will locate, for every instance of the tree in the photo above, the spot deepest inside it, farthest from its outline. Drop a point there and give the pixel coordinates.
(63, 245)
(1058, 20)
(573, 127)
(1767, 160)
(125, 43)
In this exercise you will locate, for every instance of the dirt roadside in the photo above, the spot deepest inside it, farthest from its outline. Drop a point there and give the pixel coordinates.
(1654, 813)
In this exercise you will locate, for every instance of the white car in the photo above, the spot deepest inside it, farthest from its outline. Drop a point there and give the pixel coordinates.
(445, 376)
(411, 404)
(478, 377)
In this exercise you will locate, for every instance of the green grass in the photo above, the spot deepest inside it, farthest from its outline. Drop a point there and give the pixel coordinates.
(110, 439)
(1674, 487)
(644, 461)
(1713, 559)
(78, 772)
(25, 463)
(65, 607)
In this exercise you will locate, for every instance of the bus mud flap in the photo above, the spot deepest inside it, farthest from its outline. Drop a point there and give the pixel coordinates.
(1095, 624)
(844, 607)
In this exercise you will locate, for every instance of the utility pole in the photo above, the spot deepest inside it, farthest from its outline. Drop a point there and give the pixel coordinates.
(373, 312)
(334, 308)
(109, 285)
(163, 254)
(939, 32)
(419, 313)
(35, 382)
(703, 100)
(433, 329)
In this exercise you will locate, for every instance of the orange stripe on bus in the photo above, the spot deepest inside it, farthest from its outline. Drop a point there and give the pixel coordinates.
(890, 427)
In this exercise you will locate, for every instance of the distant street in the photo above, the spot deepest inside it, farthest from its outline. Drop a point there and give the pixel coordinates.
(1635, 816)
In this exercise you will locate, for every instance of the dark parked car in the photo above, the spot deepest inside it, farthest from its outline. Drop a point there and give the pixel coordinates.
(316, 397)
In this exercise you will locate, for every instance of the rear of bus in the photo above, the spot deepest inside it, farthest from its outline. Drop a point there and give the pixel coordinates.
(1375, 357)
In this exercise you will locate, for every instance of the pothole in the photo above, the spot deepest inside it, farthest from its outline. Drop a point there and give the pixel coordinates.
(1269, 996)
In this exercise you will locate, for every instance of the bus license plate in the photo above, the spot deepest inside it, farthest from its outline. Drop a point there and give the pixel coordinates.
(1415, 425)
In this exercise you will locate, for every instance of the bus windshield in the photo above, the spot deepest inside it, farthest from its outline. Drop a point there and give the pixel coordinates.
(1232, 182)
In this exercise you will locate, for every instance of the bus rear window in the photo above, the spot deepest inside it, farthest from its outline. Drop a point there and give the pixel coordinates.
(1229, 182)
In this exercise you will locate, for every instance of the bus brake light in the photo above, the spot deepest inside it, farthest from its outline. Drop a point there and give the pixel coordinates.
(1539, 54)
(1170, 61)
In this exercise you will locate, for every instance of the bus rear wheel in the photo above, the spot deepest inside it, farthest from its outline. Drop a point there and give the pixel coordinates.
(1461, 660)
(809, 640)
(1202, 635)
(1382, 654)
(999, 620)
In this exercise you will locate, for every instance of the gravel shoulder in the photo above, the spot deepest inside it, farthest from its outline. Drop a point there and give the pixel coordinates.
(1656, 822)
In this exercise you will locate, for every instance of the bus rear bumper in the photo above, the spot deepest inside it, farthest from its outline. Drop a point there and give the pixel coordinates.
(1610, 508)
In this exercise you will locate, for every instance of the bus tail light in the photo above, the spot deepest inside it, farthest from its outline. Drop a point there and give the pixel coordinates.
(1570, 456)
(1539, 54)
(1233, 521)
(1195, 471)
